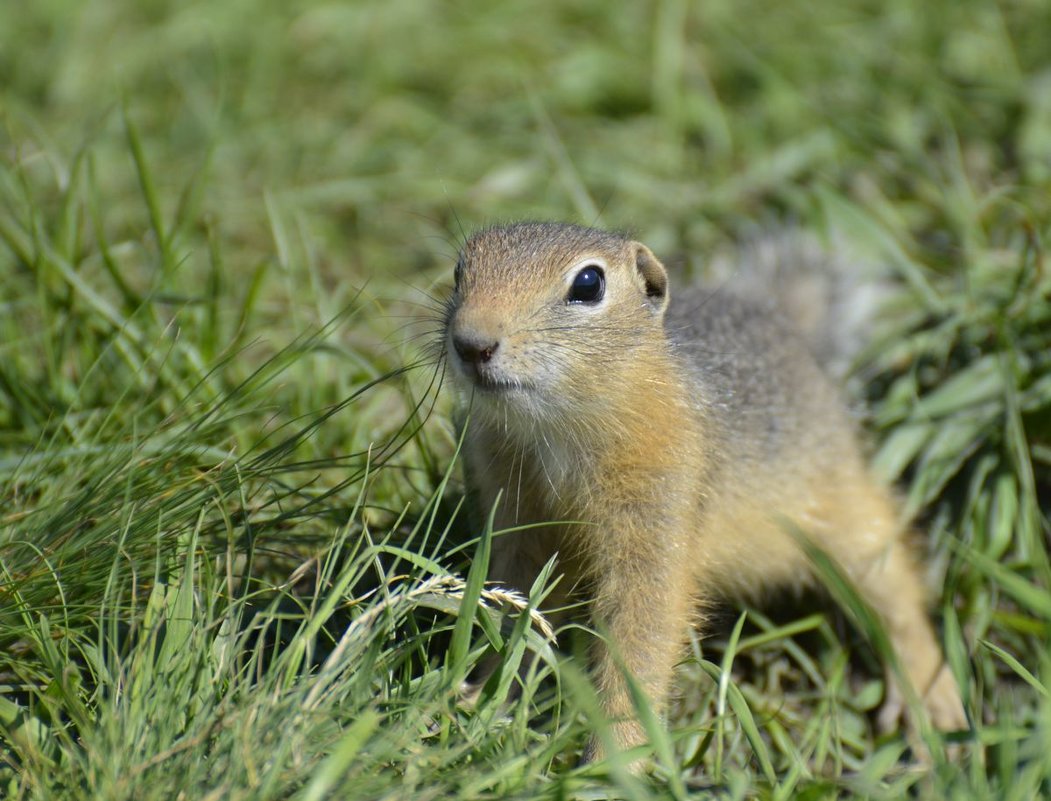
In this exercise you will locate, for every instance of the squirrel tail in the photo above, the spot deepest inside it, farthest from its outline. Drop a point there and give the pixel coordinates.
(829, 296)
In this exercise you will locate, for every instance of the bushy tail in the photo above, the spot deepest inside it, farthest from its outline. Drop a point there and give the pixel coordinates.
(830, 297)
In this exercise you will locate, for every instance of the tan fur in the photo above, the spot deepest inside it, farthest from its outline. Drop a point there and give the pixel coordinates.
(680, 440)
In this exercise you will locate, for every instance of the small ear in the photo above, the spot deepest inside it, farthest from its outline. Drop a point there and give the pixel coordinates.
(654, 277)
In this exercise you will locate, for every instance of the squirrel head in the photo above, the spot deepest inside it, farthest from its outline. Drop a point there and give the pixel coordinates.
(544, 315)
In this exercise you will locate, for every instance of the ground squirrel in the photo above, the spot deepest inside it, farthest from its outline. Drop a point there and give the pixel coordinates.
(681, 436)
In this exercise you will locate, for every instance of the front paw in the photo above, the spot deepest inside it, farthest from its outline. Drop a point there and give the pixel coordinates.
(942, 702)
(468, 692)
(622, 737)
(941, 706)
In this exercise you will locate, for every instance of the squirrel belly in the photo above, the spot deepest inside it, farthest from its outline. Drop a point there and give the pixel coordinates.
(673, 439)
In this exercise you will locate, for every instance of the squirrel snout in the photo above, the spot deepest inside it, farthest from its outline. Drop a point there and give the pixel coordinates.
(474, 350)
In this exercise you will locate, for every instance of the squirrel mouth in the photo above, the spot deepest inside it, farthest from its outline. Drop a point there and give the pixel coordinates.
(490, 381)
(495, 384)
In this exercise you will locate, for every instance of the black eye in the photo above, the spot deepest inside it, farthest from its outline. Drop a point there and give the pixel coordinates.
(458, 273)
(589, 285)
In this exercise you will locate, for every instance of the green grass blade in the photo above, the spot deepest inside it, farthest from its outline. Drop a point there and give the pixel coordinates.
(329, 772)
(1018, 668)
(461, 636)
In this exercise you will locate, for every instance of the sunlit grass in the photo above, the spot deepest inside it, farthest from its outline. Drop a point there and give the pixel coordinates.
(235, 557)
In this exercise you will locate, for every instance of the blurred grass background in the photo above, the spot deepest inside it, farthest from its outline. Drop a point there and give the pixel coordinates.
(216, 222)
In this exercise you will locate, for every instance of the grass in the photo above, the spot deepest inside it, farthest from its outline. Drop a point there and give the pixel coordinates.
(234, 560)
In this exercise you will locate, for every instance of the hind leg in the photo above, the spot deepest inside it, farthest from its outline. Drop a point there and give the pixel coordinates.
(870, 547)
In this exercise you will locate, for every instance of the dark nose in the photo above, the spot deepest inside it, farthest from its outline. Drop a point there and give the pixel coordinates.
(473, 350)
